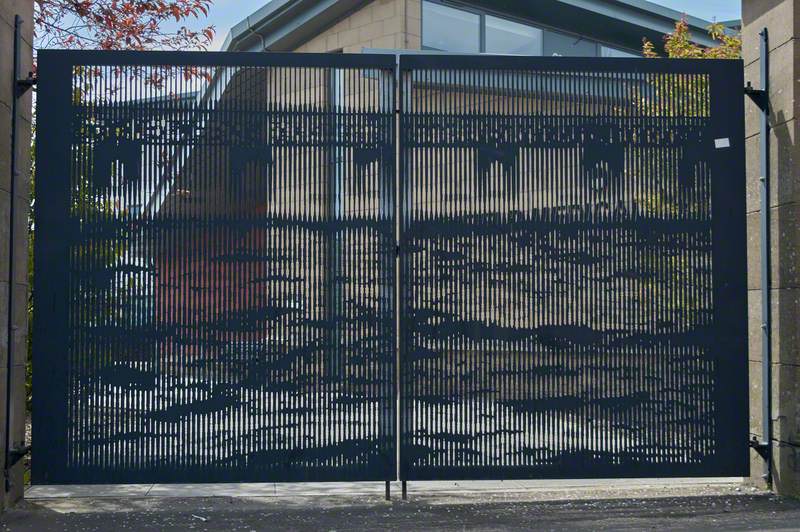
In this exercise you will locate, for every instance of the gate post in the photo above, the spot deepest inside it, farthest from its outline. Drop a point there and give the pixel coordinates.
(773, 205)
(761, 98)
(14, 202)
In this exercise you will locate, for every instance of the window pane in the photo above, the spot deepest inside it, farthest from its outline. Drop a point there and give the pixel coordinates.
(449, 29)
(559, 44)
(507, 37)
(607, 51)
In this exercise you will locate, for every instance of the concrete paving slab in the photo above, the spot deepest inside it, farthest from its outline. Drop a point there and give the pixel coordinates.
(333, 489)
(87, 490)
(213, 490)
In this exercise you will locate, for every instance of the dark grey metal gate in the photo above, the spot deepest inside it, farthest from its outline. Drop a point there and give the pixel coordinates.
(214, 270)
(573, 296)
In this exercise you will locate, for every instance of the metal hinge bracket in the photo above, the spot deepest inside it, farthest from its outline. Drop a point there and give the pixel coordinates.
(15, 455)
(762, 448)
(759, 96)
(25, 84)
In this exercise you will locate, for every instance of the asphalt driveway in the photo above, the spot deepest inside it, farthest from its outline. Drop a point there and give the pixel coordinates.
(722, 507)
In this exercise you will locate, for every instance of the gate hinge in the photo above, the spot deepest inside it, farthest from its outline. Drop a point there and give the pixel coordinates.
(25, 84)
(17, 454)
(759, 96)
(761, 448)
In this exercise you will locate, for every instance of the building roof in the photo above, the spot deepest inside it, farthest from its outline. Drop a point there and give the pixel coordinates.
(282, 25)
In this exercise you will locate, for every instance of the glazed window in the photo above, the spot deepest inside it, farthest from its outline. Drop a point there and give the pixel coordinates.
(508, 37)
(449, 29)
(452, 29)
(607, 51)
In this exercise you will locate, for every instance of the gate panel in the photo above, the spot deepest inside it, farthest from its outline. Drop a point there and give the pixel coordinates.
(215, 272)
(573, 299)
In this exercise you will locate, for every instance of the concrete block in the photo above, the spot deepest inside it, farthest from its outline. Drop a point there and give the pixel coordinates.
(3, 381)
(348, 38)
(785, 244)
(20, 238)
(785, 315)
(413, 42)
(786, 327)
(3, 324)
(24, 8)
(414, 8)
(778, 15)
(783, 63)
(393, 25)
(414, 26)
(786, 469)
(387, 41)
(332, 42)
(340, 26)
(6, 59)
(5, 148)
(370, 31)
(755, 398)
(5, 234)
(20, 241)
(754, 325)
(23, 182)
(20, 323)
(786, 407)
(753, 251)
(384, 9)
(784, 167)
(784, 247)
(18, 414)
(17, 426)
(362, 17)
(756, 471)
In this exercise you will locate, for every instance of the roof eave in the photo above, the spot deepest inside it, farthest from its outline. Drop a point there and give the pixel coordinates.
(282, 25)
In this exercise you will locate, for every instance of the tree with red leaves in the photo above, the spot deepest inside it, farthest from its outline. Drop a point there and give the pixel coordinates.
(121, 24)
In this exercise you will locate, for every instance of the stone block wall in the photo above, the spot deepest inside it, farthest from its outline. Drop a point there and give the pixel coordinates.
(18, 285)
(379, 24)
(782, 19)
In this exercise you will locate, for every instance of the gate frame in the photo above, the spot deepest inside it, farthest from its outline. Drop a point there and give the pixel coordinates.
(50, 330)
(729, 256)
(53, 156)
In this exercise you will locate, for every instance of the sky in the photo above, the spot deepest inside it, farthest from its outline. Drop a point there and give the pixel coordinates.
(225, 13)
(706, 9)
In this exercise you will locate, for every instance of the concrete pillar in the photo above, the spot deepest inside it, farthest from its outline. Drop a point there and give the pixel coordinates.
(18, 286)
(782, 19)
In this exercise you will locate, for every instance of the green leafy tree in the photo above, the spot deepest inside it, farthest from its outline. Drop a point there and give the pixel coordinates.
(123, 25)
(679, 44)
(679, 96)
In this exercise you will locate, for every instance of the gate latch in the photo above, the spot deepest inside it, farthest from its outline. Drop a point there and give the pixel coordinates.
(759, 96)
